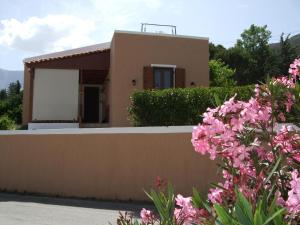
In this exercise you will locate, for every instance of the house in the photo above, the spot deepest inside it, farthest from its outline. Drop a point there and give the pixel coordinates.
(90, 86)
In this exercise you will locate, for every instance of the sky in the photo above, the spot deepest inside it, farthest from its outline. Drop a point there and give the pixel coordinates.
(34, 27)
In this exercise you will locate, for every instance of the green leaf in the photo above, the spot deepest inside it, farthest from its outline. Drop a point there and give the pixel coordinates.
(164, 204)
(148, 195)
(279, 219)
(158, 204)
(223, 215)
(270, 193)
(199, 202)
(241, 216)
(218, 186)
(273, 216)
(258, 220)
(245, 207)
(197, 199)
(218, 101)
(273, 170)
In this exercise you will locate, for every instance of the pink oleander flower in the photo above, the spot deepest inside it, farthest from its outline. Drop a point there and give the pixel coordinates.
(182, 202)
(279, 200)
(237, 124)
(256, 91)
(147, 216)
(201, 145)
(281, 116)
(289, 102)
(293, 201)
(296, 158)
(285, 142)
(215, 195)
(228, 106)
(295, 68)
(186, 214)
(289, 83)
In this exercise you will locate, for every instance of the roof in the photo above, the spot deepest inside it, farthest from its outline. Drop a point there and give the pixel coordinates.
(69, 53)
(98, 47)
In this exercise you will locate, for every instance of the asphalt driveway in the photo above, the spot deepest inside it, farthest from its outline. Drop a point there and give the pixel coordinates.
(16, 209)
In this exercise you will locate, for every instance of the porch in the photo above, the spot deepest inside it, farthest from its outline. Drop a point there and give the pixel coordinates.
(68, 89)
(70, 99)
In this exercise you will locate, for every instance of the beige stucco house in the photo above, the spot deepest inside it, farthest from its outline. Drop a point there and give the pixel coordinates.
(90, 86)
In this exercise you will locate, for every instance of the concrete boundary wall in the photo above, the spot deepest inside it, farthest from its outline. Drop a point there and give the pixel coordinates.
(109, 163)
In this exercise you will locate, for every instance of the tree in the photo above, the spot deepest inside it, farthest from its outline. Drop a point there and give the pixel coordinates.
(216, 51)
(240, 60)
(255, 43)
(11, 102)
(14, 89)
(3, 94)
(286, 53)
(220, 74)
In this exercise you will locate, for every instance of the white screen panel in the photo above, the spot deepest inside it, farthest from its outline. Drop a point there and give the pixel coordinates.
(55, 94)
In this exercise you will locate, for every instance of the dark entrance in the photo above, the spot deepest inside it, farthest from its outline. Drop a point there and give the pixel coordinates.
(91, 104)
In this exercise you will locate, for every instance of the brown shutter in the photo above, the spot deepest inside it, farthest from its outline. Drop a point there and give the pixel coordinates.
(148, 77)
(179, 78)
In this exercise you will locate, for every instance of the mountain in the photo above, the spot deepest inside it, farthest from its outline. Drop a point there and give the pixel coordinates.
(294, 40)
(8, 76)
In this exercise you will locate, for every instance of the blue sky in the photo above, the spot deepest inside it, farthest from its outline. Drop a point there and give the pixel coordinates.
(34, 27)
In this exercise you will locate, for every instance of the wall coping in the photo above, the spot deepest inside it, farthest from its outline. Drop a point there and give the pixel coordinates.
(113, 130)
(160, 34)
(117, 130)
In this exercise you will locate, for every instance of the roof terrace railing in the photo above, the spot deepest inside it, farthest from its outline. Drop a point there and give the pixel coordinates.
(145, 25)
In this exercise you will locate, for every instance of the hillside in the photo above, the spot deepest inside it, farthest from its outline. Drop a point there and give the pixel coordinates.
(8, 76)
(295, 41)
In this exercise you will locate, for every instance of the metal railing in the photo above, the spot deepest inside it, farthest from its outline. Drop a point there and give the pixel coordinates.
(144, 27)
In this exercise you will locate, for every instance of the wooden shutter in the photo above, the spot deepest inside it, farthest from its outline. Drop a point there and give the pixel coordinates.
(148, 77)
(179, 78)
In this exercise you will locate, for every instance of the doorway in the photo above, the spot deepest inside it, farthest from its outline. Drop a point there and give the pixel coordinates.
(92, 104)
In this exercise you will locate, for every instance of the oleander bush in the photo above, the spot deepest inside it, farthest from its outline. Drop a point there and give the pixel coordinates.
(258, 158)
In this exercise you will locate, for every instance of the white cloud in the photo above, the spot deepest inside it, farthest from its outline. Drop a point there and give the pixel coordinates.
(50, 33)
(82, 23)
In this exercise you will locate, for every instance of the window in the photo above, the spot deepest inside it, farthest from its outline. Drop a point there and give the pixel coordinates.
(163, 77)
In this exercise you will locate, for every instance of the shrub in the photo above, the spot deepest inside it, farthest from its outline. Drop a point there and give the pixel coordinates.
(6, 123)
(220, 74)
(171, 107)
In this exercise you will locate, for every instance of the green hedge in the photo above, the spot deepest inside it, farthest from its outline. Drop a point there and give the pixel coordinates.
(171, 107)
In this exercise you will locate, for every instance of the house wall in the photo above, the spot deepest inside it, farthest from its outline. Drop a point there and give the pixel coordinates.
(55, 94)
(130, 52)
(107, 163)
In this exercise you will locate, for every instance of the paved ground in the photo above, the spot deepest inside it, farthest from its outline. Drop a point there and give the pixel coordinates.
(18, 209)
